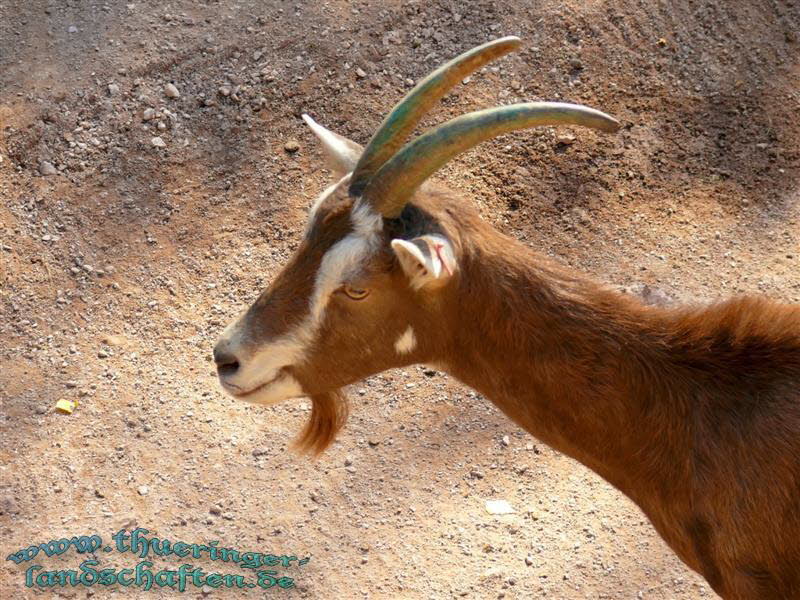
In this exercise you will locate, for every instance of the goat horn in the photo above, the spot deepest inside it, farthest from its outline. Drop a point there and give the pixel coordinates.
(397, 180)
(409, 111)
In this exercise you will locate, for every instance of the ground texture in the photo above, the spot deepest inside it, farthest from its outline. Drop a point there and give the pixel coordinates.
(122, 256)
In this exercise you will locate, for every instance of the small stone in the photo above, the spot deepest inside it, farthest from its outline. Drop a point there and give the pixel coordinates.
(498, 507)
(148, 114)
(143, 490)
(576, 63)
(566, 138)
(113, 89)
(206, 590)
(170, 91)
(72, 29)
(291, 146)
(529, 560)
(158, 142)
(224, 91)
(348, 461)
(46, 168)
(360, 73)
(102, 354)
(259, 451)
(506, 441)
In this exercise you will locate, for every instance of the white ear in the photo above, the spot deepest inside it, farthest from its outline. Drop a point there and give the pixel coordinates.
(342, 154)
(427, 260)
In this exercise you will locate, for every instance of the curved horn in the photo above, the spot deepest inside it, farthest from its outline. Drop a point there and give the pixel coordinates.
(409, 111)
(397, 180)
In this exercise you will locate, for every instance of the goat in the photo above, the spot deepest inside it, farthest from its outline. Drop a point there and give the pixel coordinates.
(692, 412)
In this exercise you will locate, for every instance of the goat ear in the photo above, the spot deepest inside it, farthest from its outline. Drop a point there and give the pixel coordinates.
(342, 154)
(428, 260)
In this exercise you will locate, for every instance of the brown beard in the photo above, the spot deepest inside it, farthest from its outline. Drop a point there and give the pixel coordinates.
(328, 414)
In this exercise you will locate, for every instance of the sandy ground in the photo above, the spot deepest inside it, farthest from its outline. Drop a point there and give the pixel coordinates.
(121, 258)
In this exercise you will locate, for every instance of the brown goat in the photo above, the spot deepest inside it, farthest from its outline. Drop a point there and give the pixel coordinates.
(694, 412)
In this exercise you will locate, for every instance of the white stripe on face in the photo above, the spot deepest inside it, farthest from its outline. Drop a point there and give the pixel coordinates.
(346, 256)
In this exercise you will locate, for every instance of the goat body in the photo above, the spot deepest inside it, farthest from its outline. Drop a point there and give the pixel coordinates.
(694, 413)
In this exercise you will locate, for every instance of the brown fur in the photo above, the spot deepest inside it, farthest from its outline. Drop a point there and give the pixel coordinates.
(328, 416)
(693, 412)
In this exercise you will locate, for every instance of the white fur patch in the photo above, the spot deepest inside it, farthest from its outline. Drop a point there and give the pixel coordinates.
(266, 362)
(283, 388)
(366, 220)
(406, 342)
(339, 263)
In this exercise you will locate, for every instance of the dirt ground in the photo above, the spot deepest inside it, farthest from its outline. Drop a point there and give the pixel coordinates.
(122, 257)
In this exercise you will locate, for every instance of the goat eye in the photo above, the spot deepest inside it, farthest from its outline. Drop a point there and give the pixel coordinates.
(355, 293)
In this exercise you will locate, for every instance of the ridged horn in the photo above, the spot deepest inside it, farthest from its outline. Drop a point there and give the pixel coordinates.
(407, 113)
(396, 181)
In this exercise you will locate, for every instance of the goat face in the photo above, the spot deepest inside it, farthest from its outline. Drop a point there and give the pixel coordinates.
(354, 299)
(365, 290)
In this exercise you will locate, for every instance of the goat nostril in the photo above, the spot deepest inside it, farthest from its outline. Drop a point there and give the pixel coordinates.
(227, 364)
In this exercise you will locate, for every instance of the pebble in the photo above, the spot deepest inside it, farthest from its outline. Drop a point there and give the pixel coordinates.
(224, 91)
(529, 560)
(360, 73)
(506, 441)
(148, 114)
(170, 91)
(291, 146)
(46, 168)
(72, 29)
(143, 490)
(348, 461)
(158, 142)
(113, 89)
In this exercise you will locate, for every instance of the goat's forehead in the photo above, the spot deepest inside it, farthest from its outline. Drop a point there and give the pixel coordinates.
(332, 205)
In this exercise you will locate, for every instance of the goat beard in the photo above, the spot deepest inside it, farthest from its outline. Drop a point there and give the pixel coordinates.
(328, 415)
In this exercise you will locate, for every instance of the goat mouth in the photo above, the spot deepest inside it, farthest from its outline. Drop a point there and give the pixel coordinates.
(236, 393)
